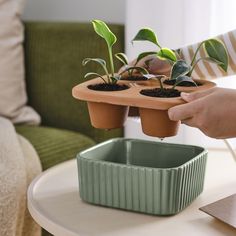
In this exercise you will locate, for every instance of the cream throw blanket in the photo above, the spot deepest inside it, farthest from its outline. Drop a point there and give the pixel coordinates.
(19, 164)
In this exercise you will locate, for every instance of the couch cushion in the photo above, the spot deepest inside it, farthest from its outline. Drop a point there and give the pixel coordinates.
(54, 145)
(12, 85)
(53, 55)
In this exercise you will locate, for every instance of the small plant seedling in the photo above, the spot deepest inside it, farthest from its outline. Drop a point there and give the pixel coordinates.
(103, 31)
(130, 69)
(110, 77)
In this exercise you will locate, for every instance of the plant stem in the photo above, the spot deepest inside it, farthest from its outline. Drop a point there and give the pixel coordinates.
(132, 70)
(107, 74)
(111, 61)
(126, 70)
(174, 86)
(195, 54)
(193, 66)
(161, 85)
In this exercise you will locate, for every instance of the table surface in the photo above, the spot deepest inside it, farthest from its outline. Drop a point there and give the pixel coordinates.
(54, 202)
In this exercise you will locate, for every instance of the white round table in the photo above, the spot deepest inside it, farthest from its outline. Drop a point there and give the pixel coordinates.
(54, 203)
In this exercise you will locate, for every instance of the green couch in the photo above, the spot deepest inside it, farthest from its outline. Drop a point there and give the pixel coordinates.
(53, 55)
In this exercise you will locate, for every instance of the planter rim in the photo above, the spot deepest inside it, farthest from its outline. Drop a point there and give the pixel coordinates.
(79, 155)
(131, 96)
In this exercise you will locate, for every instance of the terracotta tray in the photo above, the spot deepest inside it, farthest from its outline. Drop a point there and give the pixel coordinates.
(131, 96)
(109, 109)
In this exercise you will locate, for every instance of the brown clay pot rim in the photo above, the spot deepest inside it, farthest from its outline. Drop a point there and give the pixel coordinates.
(131, 96)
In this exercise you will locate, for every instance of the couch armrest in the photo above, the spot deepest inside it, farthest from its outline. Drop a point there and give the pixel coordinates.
(53, 56)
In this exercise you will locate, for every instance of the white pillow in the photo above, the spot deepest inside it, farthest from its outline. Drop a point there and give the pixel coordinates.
(13, 96)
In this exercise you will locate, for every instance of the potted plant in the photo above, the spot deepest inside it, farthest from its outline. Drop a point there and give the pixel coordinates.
(106, 115)
(180, 75)
(108, 101)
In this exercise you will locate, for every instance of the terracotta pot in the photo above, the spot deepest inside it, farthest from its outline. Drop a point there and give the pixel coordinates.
(157, 123)
(107, 116)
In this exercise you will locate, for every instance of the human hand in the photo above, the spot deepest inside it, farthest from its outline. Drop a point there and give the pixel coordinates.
(153, 64)
(212, 111)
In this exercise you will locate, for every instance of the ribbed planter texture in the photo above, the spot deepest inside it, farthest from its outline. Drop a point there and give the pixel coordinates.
(143, 176)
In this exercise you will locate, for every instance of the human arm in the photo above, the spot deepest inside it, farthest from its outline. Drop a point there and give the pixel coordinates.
(212, 111)
(206, 70)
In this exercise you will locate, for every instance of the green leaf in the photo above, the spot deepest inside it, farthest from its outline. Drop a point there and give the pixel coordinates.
(179, 68)
(97, 60)
(122, 57)
(142, 70)
(184, 78)
(166, 53)
(94, 75)
(144, 54)
(216, 50)
(100, 61)
(102, 30)
(212, 60)
(147, 34)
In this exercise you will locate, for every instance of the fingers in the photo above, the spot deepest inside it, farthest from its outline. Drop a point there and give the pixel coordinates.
(186, 111)
(189, 97)
(159, 67)
(180, 112)
(189, 122)
(183, 112)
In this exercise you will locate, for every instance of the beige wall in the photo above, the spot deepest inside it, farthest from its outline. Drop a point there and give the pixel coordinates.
(75, 10)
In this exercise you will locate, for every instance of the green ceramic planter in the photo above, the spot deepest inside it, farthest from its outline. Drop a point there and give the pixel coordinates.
(150, 177)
